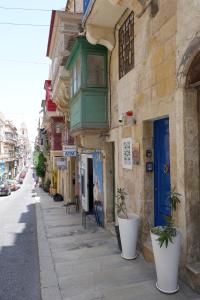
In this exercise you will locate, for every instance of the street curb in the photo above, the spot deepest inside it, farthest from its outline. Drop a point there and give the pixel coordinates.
(48, 279)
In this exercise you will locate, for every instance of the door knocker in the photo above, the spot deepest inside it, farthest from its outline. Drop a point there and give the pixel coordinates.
(166, 168)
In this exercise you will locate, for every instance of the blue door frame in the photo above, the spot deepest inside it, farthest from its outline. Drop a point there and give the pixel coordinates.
(161, 171)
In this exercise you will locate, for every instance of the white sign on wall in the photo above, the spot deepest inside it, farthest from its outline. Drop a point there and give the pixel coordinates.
(61, 163)
(127, 160)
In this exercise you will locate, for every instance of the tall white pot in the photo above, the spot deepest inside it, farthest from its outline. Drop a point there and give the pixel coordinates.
(167, 261)
(128, 229)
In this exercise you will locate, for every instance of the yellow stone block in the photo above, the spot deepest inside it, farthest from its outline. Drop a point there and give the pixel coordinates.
(126, 132)
(158, 56)
(166, 69)
(165, 87)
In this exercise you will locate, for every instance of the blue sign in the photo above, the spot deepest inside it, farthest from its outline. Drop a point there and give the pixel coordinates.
(69, 153)
(2, 168)
(69, 150)
(85, 5)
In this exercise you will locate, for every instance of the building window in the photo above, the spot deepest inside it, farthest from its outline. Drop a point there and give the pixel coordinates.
(57, 128)
(126, 46)
(76, 77)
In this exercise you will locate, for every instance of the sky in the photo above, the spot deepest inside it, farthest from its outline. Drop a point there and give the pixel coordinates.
(23, 63)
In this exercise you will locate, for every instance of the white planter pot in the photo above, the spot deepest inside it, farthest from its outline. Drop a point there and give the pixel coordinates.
(167, 261)
(128, 233)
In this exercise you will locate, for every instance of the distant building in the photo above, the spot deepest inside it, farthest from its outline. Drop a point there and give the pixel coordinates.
(10, 138)
(24, 147)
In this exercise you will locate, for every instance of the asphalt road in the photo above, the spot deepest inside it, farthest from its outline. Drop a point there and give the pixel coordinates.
(19, 263)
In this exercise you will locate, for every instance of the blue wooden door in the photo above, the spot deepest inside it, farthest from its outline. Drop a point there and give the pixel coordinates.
(161, 171)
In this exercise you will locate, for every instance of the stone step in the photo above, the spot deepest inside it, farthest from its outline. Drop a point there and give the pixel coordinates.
(85, 253)
(96, 264)
(65, 231)
(52, 223)
(77, 284)
(136, 291)
(81, 245)
(87, 240)
(193, 275)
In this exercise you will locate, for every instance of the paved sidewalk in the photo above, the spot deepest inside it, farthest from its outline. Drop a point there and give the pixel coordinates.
(85, 264)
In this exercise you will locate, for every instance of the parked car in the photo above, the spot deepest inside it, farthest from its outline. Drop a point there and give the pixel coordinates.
(22, 174)
(19, 179)
(5, 189)
(14, 186)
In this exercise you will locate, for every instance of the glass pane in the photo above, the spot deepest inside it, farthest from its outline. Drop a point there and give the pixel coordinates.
(95, 68)
(71, 84)
(74, 79)
(78, 72)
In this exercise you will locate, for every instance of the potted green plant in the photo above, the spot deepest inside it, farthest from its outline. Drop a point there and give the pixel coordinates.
(166, 241)
(128, 226)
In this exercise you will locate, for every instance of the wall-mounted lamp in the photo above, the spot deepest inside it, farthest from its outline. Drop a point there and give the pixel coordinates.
(128, 118)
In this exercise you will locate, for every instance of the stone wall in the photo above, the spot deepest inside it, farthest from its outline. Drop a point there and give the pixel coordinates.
(187, 41)
(147, 90)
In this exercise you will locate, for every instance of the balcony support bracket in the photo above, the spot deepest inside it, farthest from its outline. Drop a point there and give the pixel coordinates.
(100, 35)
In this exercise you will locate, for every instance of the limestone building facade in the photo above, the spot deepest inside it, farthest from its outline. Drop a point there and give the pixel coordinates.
(153, 109)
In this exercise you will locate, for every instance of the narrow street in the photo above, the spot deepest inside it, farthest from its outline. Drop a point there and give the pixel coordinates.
(101, 100)
(19, 276)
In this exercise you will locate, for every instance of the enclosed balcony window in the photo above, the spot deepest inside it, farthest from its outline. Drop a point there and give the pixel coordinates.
(78, 72)
(76, 76)
(74, 80)
(88, 104)
(95, 70)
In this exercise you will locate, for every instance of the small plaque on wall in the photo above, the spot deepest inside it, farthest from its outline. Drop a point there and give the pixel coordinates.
(127, 160)
(148, 153)
(136, 153)
(149, 167)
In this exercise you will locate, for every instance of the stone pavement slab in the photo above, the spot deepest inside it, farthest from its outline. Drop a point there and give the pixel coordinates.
(84, 253)
(85, 264)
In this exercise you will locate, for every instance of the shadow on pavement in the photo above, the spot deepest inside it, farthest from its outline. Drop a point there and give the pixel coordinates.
(19, 264)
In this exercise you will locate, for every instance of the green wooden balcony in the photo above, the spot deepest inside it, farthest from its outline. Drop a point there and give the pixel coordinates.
(88, 103)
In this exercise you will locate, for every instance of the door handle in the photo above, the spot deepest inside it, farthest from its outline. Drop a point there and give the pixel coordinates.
(166, 169)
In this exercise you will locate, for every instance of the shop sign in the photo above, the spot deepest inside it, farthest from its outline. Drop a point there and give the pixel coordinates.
(69, 150)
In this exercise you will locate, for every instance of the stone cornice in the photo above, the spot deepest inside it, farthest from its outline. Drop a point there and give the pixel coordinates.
(138, 6)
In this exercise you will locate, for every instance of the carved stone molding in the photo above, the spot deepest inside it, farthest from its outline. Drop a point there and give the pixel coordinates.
(100, 35)
(62, 95)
